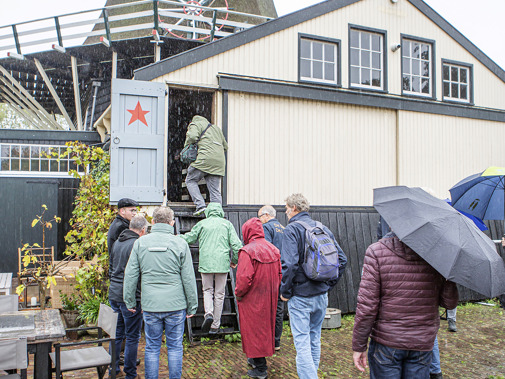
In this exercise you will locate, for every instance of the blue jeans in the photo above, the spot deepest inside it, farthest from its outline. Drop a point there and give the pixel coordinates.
(173, 324)
(389, 363)
(435, 362)
(306, 315)
(128, 326)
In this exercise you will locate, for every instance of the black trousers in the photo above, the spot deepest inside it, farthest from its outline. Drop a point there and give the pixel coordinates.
(260, 363)
(279, 318)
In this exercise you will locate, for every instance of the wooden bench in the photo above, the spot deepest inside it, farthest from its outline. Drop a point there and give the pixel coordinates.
(6, 283)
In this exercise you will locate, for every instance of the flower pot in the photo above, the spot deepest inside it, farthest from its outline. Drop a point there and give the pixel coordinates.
(71, 321)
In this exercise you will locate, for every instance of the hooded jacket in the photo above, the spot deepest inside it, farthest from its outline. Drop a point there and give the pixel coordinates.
(163, 264)
(398, 298)
(211, 147)
(116, 227)
(257, 290)
(118, 260)
(215, 236)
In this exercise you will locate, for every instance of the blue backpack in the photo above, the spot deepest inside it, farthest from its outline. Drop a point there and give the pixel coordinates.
(320, 261)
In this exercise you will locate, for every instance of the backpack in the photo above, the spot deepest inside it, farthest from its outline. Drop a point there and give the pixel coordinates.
(190, 152)
(320, 261)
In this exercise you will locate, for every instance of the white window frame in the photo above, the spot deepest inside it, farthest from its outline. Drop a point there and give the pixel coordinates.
(460, 66)
(361, 48)
(39, 157)
(336, 59)
(407, 55)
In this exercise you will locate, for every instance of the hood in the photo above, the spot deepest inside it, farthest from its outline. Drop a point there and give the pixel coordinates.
(393, 243)
(252, 229)
(199, 120)
(127, 234)
(214, 209)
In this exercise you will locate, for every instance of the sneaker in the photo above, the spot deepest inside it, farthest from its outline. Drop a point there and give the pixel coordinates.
(199, 212)
(250, 362)
(452, 325)
(436, 376)
(214, 331)
(255, 373)
(207, 323)
(277, 348)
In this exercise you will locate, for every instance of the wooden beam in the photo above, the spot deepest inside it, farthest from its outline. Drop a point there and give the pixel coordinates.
(77, 93)
(114, 65)
(22, 115)
(29, 97)
(32, 117)
(55, 95)
(24, 104)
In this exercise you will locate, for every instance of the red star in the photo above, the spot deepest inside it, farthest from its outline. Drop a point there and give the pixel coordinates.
(138, 114)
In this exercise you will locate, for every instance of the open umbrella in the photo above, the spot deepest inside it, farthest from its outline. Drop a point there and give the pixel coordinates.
(449, 241)
(481, 195)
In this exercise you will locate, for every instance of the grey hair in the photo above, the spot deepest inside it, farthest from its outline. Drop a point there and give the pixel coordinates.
(299, 201)
(268, 209)
(163, 215)
(138, 223)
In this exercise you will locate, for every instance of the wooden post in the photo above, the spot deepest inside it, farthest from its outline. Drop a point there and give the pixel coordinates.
(114, 64)
(77, 93)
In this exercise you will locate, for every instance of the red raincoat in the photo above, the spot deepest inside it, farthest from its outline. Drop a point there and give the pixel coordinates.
(258, 279)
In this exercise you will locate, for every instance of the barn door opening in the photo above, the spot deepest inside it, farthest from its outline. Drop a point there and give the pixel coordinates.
(183, 105)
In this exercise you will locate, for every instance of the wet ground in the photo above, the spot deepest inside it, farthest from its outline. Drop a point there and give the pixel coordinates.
(477, 350)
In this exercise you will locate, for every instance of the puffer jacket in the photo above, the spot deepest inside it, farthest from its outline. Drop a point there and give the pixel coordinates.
(215, 236)
(398, 298)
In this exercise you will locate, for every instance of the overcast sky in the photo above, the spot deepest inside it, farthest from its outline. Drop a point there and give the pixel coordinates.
(483, 24)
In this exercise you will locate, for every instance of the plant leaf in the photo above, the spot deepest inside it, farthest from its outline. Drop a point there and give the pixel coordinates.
(34, 222)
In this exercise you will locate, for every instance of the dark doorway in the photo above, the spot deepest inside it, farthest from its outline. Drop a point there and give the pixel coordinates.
(182, 106)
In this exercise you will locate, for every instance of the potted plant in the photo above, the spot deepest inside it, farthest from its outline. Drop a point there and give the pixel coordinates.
(70, 312)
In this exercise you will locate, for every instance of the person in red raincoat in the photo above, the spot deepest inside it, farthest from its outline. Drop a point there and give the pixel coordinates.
(258, 278)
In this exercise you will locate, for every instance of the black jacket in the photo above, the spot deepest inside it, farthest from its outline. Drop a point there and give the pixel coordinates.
(118, 260)
(294, 281)
(116, 227)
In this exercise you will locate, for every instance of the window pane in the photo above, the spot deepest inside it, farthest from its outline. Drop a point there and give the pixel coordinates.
(454, 90)
(376, 60)
(355, 75)
(454, 74)
(305, 48)
(317, 70)
(463, 75)
(63, 166)
(25, 151)
(15, 164)
(447, 89)
(44, 152)
(354, 38)
(425, 85)
(463, 91)
(406, 83)
(425, 68)
(365, 40)
(317, 50)
(5, 151)
(34, 165)
(44, 165)
(72, 165)
(54, 165)
(406, 65)
(35, 151)
(425, 52)
(329, 53)
(415, 50)
(15, 151)
(365, 58)
(355, 57)
(415, 66)
(305, 68)
(445, 73)
(376, 42)
(25, 165)
(406, 48)
(329, 71)
(416, 84)
(5, 164)
(376, 78)
(365, 76)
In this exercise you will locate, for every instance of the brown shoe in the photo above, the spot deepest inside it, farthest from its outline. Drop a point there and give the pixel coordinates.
(120, 374)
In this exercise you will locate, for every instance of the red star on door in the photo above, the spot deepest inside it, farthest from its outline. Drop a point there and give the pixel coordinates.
(138, 114)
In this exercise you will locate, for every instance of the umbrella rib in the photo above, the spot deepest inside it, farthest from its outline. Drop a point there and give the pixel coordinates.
(492, 193)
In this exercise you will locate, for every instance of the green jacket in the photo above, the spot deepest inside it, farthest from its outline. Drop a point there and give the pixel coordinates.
(163, 262)
(211, 148)
(215, 236)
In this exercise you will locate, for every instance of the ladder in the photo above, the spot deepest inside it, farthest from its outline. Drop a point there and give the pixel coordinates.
(184, 221)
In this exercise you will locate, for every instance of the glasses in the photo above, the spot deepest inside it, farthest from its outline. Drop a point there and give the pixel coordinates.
(261, 215)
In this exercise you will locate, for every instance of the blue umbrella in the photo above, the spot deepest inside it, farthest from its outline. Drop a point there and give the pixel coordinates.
(477, 221)
(481, 195)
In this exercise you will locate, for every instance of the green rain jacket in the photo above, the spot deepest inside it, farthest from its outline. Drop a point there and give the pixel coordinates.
(211, 148)
(215, 236)
(162, 262)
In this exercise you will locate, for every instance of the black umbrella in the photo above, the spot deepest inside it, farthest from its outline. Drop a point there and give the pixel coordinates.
(449, 241)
